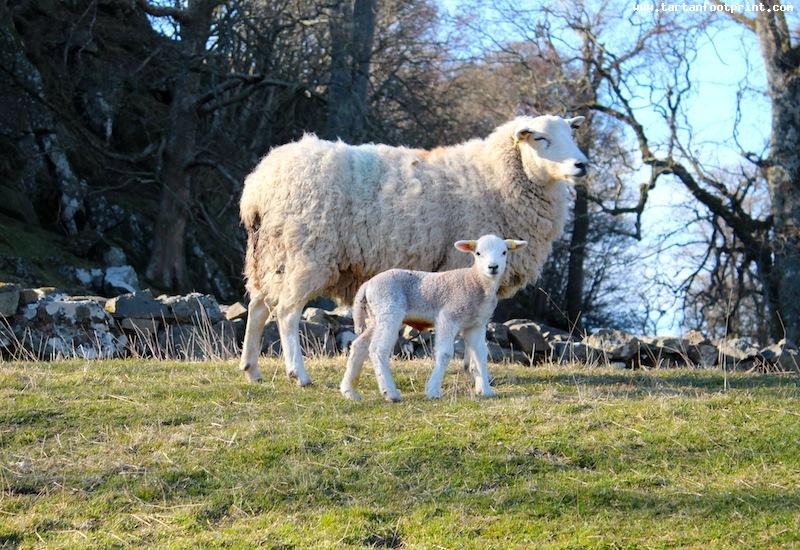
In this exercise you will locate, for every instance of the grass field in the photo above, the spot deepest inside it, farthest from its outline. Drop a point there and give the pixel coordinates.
(188, 455)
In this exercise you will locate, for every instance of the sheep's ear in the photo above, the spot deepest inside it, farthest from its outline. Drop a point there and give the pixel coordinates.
(521, 134)
(466, 246)
(513, 245)
(575, 122)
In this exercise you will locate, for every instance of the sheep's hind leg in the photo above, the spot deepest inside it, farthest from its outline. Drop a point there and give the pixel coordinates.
(384, 337)
(479, 353)
(443, 351)
(359, 350)
(257, 313)
(289, 329)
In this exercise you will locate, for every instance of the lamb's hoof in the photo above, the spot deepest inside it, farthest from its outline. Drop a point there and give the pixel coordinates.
(392, 397)
(352, 395)
(488, 393)
(434, 394)
(302, 380)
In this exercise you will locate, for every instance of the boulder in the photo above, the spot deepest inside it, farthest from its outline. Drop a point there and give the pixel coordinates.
(119, 280)
(91, 278)
(193, 308)
(114, 257)
(784, 355)
(737, 353)
(197, 343)
(72, 310)
(498, 333)
(9, 299)
(142, 327)
(271, 340)
(345, 337)
(499, 354)
(526, 336)
(33, 295)
(139, 305)
(316, 339)
(577, 352)
(617, 345)
(234, 311)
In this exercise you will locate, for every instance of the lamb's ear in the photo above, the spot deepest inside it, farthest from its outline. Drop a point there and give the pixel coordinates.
(521, 134)
(466, 246)
(575, 122)
(513, 245)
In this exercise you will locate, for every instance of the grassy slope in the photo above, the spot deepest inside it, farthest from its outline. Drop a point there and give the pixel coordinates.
(177, 455)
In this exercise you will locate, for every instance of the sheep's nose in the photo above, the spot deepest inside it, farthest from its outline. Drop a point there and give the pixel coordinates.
(493, 268)
(582, 167)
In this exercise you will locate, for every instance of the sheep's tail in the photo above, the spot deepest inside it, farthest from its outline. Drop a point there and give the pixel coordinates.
(360, 309)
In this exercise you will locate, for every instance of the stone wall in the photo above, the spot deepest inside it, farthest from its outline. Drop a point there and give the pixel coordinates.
(44, 323)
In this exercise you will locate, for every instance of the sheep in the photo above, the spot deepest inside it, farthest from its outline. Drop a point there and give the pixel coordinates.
(323, 217)
(460, 300)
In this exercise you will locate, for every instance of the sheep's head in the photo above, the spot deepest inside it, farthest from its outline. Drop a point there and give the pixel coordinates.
(547, 148)
(490, 253)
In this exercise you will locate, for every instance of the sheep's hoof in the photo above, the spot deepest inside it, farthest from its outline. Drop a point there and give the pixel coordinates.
(353, 395)
(392, 397)
(251, 373)
(487, 393)
(302, 381)
(434, 394)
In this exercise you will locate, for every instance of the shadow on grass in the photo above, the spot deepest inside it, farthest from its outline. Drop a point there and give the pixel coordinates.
(647, 383)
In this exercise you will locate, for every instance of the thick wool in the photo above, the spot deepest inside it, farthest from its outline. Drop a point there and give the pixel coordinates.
(324, 217)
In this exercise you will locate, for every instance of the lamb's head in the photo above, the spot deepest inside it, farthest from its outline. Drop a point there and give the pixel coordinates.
(547, 148)
(490, 253)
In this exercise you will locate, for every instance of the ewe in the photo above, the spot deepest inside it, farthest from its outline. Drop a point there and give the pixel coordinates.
(451, 301)
(324, 217)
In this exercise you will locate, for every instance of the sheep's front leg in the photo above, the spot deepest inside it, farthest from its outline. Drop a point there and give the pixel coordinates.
(359, 350)
(446, 332)
(479, 354)
(257, 313)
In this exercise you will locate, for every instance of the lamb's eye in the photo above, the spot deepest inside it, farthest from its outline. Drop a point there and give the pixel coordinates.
(477, 253)
(504, 253)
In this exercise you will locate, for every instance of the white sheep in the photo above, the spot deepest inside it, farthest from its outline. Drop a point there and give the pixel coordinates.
(323, 217)
(460, 300)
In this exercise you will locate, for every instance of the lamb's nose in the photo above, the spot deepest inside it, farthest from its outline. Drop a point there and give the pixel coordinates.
(493, 268)
(582, 167)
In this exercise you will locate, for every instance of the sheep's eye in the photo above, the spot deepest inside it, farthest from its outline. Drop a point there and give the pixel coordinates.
(504, 252)
(477, 253)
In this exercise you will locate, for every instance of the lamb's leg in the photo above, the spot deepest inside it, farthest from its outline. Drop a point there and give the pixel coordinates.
(384, 336)
(443, 350)
(359, 350)
(257, 313)
(289, 329)
(479, 354)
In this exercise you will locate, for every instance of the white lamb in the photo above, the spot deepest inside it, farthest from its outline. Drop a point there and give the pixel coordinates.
(461, 300)
(323, 217)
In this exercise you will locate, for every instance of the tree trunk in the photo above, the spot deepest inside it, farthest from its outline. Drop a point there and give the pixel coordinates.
(352, 33)
(167, 266)
(577, 254)
(782, 62)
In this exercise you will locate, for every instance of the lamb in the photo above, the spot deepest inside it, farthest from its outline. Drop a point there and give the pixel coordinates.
(451, 301)
(324, 217)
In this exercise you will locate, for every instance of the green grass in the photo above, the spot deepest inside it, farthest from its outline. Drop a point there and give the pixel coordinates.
(188, 455)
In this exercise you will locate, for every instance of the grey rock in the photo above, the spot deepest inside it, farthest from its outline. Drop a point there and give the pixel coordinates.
(617, 345)
(403, 348)
(89, 277)
(33, 295)
(271, 339)
(234, 311)
(71, 310)
(577, 352)
(9, 299)
(139, 305)
(345, 337)
(526, 336)
(498, 333)
(121, 279)
(737, 353)
(196, 343)
(316, 339)
(193, 308)
(144, 327)
(114, 257)
(784, 354)
(499, 354)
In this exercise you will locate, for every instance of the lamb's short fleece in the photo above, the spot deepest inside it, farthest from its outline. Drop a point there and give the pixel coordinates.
(461, 300)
